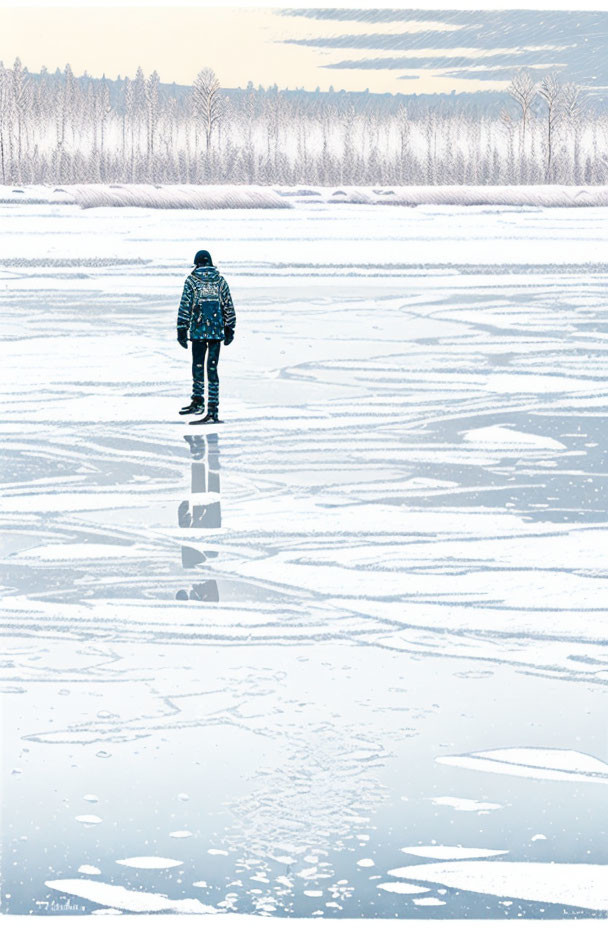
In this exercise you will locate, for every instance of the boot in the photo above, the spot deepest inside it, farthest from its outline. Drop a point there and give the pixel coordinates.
(196, 407)
(211, 416)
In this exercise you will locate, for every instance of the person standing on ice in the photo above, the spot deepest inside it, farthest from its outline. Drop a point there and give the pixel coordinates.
(206, 316)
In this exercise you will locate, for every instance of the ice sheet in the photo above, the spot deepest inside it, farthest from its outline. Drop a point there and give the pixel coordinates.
(319, 632)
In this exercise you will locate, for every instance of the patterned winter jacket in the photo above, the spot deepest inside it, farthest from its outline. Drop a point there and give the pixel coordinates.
(206, 307)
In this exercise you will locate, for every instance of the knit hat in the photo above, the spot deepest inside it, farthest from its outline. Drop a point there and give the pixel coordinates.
(203, 259)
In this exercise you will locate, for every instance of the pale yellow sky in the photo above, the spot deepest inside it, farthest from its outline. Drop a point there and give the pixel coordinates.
(240, 44)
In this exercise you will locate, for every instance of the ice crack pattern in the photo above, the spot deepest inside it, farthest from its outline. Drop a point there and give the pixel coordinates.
(345, 654)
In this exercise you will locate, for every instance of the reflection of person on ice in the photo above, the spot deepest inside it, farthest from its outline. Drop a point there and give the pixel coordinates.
(206, 316)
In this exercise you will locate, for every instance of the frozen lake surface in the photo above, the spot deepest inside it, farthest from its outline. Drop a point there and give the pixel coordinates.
(346, 653)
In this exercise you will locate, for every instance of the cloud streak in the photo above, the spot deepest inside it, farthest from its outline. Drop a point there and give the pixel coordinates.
(494, 63)
(574, 43)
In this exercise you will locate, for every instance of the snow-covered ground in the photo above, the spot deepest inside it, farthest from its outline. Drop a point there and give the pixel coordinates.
(344, 654)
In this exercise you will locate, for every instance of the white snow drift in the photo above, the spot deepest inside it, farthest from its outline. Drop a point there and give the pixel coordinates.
(242, 196)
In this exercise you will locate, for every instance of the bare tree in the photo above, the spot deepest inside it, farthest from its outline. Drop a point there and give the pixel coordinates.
(573, 107)
(573, 101)
(551, 92)
(524, 91)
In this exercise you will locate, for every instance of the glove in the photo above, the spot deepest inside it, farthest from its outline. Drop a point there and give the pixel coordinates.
(182, 337)
(228, 335)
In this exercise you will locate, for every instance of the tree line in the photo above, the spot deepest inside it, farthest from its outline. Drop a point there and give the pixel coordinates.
(63, 129)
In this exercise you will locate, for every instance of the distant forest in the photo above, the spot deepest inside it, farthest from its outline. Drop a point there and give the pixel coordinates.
(62, 129)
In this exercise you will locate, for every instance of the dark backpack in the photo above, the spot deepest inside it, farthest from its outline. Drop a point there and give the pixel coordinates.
(206, 308)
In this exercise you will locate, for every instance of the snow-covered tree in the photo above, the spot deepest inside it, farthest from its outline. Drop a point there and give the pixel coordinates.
(4, 117)
(207, 102)
(56, 127)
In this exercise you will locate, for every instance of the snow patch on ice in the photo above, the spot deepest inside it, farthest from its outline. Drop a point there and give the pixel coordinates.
(403, 888)
(465, 805)
(499, 435)
(118, 897)
(89, 819)
(365, 862)
(536, 763)
(543, 383)
(89, 870)
(584, 885)
(444, 852)
(150, 863)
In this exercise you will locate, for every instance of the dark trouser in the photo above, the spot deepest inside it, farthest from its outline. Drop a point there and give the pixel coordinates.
(211, 348)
